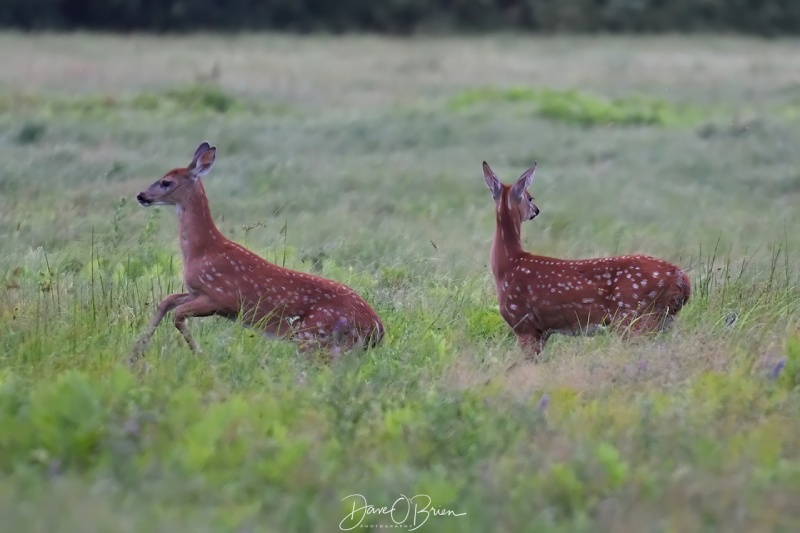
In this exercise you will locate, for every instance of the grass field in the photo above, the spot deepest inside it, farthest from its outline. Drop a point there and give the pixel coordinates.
(359, 158)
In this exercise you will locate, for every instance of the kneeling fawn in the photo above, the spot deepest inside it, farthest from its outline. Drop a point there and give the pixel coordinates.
(540, 295)
(223, 278)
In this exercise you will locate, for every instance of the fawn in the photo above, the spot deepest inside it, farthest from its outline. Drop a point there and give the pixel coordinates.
(225, 279)
(540, 295)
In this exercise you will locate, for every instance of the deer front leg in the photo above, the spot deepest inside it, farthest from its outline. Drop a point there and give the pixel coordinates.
(532, 343)
(199, 306)
(164, 306)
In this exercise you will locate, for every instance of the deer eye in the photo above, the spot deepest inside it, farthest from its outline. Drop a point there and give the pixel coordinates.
(165, 184)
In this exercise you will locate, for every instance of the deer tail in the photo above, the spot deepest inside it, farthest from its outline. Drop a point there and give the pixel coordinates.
(684, 292)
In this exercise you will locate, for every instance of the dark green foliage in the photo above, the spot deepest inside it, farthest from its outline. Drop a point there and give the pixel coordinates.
(30, 133)
(765, 17)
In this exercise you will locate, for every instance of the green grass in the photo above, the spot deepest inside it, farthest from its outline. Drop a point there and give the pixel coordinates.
(577, 107)
(196, 98)
(359, 159)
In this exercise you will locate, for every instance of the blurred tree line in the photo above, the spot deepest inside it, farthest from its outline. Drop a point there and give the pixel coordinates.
(765, 17)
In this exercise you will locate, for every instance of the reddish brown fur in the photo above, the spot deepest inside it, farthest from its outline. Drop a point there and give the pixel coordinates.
(223, 278)
(540, 295)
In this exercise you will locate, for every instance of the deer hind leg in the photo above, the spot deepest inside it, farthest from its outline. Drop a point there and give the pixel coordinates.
(308, 343)
(666, 322)
(336, 337)
(331, 345)
(362, 335)
(164, 306)
(199, 306)
(640, 323)
(650, 323)
(312, 346)
(322, 336)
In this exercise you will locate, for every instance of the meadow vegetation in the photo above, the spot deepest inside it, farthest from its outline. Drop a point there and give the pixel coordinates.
(359, 159)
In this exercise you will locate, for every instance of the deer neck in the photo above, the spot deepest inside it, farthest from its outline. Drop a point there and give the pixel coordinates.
(198, 233)
(507, 243)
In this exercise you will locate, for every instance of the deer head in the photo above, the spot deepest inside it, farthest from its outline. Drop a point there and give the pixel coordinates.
(177, 185)
(519, 201)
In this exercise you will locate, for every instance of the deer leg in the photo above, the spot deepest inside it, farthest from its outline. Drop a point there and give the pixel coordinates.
(316, 333)
(199, 306)
(532, 343)
(653, 322)
(164, 306)
(666, 322)
(308, 343)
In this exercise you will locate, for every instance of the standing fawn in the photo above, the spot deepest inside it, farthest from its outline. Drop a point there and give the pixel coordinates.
(223, 278)
(540, 295)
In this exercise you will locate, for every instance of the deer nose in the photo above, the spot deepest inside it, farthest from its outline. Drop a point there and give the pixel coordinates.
(534, 212)
(142, 199)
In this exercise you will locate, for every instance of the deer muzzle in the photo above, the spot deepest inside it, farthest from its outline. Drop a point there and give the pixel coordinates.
(144, 200)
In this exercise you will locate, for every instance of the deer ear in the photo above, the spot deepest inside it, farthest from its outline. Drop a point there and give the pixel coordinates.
(523, 182)
(491, 181)
(203, 159)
